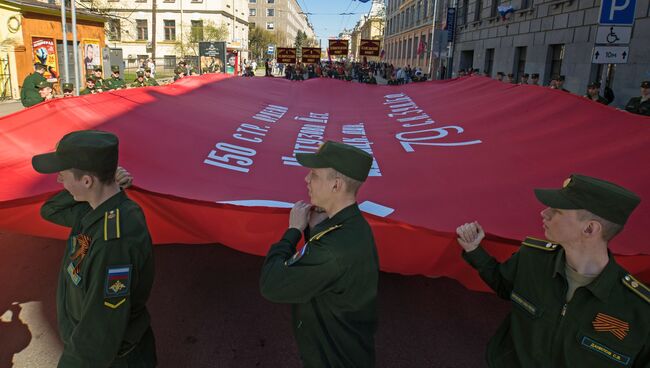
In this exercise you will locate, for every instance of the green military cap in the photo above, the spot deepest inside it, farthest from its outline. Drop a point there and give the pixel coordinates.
(594, 84)
(139, 73)
(344, 158)
(645, 84)
(147, 69)
(115, 68)
(90, 78)
(67, 87)
(602, 198)
(97, 68)
(43, 84)
(179, 70)
(90, 150)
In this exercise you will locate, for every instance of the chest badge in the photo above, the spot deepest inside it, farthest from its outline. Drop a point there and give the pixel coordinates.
(74, 276)
(606, 323)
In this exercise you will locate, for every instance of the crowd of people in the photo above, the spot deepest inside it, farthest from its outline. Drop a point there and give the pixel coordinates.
(637, 105)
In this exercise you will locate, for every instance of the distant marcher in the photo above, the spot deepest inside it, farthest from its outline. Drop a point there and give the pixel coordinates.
(640, 105)
(524, 78)
(149, 77)
(139, 79)
(593, 90)
(100, 83)
(68, 89)
(90, 87)
(500, 76)
(559, 83)
(534, 79)
(29, 95)
(45, 90)
(115, 82)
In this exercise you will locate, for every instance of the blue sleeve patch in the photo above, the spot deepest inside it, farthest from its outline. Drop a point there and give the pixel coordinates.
(118, 281)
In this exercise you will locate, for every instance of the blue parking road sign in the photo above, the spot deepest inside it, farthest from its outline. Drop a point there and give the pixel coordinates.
(617, 12)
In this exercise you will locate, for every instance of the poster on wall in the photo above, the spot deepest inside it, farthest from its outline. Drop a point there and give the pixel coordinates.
(44, 52)
(231, 61)
(213, 57)
(92, 54)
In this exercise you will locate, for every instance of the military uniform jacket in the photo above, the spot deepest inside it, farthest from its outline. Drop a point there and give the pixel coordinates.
(101, 84)
(105, 278)
(115, 83)
(29, 95)
(332, 286)
(606, 323)
(151, 82)
(136, 83)
(87, 91)
(636, 106)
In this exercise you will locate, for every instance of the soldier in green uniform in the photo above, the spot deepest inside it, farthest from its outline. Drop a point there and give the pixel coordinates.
(45, 90)
(68, 89)
(640, 105)
(29, 95)
(107, 268)
(90, 86)
(573, 305)
(179, 72)
(332, 281)
(100, 83)
(593, 93)
(139, 80)
(115, 82)
(150, 80)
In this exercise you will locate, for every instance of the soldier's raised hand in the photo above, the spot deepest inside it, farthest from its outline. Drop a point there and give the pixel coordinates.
(470, 235)
(299, 215)
(123, 178)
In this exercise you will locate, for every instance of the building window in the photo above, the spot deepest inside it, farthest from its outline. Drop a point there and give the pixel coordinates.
(170, 61)
(138, 1)
(252, 12)
(270, 1)
(270, 12)
(489, 62)
(197, 30)
(556, 55)
(462, 12)
(141, 30)
(270, 25)
(425, 9)
(114, 30)
(520, 60)
(252, 1)
(479, 9)
(170, 29)
(416, 46)
(493, 8)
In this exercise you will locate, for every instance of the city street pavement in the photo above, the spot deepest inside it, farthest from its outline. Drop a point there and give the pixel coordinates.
(207, 312)
(9, 107)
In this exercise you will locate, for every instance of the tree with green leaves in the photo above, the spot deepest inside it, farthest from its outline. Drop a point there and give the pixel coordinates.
(258, 41)
(188, 43)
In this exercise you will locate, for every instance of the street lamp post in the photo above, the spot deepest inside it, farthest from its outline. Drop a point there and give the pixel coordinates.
(66, 67)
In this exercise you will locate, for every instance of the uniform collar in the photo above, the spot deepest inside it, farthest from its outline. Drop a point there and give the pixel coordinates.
(603, 284)
(340, 217)
(98, 213)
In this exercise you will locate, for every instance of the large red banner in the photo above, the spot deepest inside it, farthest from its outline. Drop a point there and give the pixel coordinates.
(213, 160)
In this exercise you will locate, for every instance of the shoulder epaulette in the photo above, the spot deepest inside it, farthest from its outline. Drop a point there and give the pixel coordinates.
(540, 244)
(637, 287)
(112, 224)
(322, 233)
